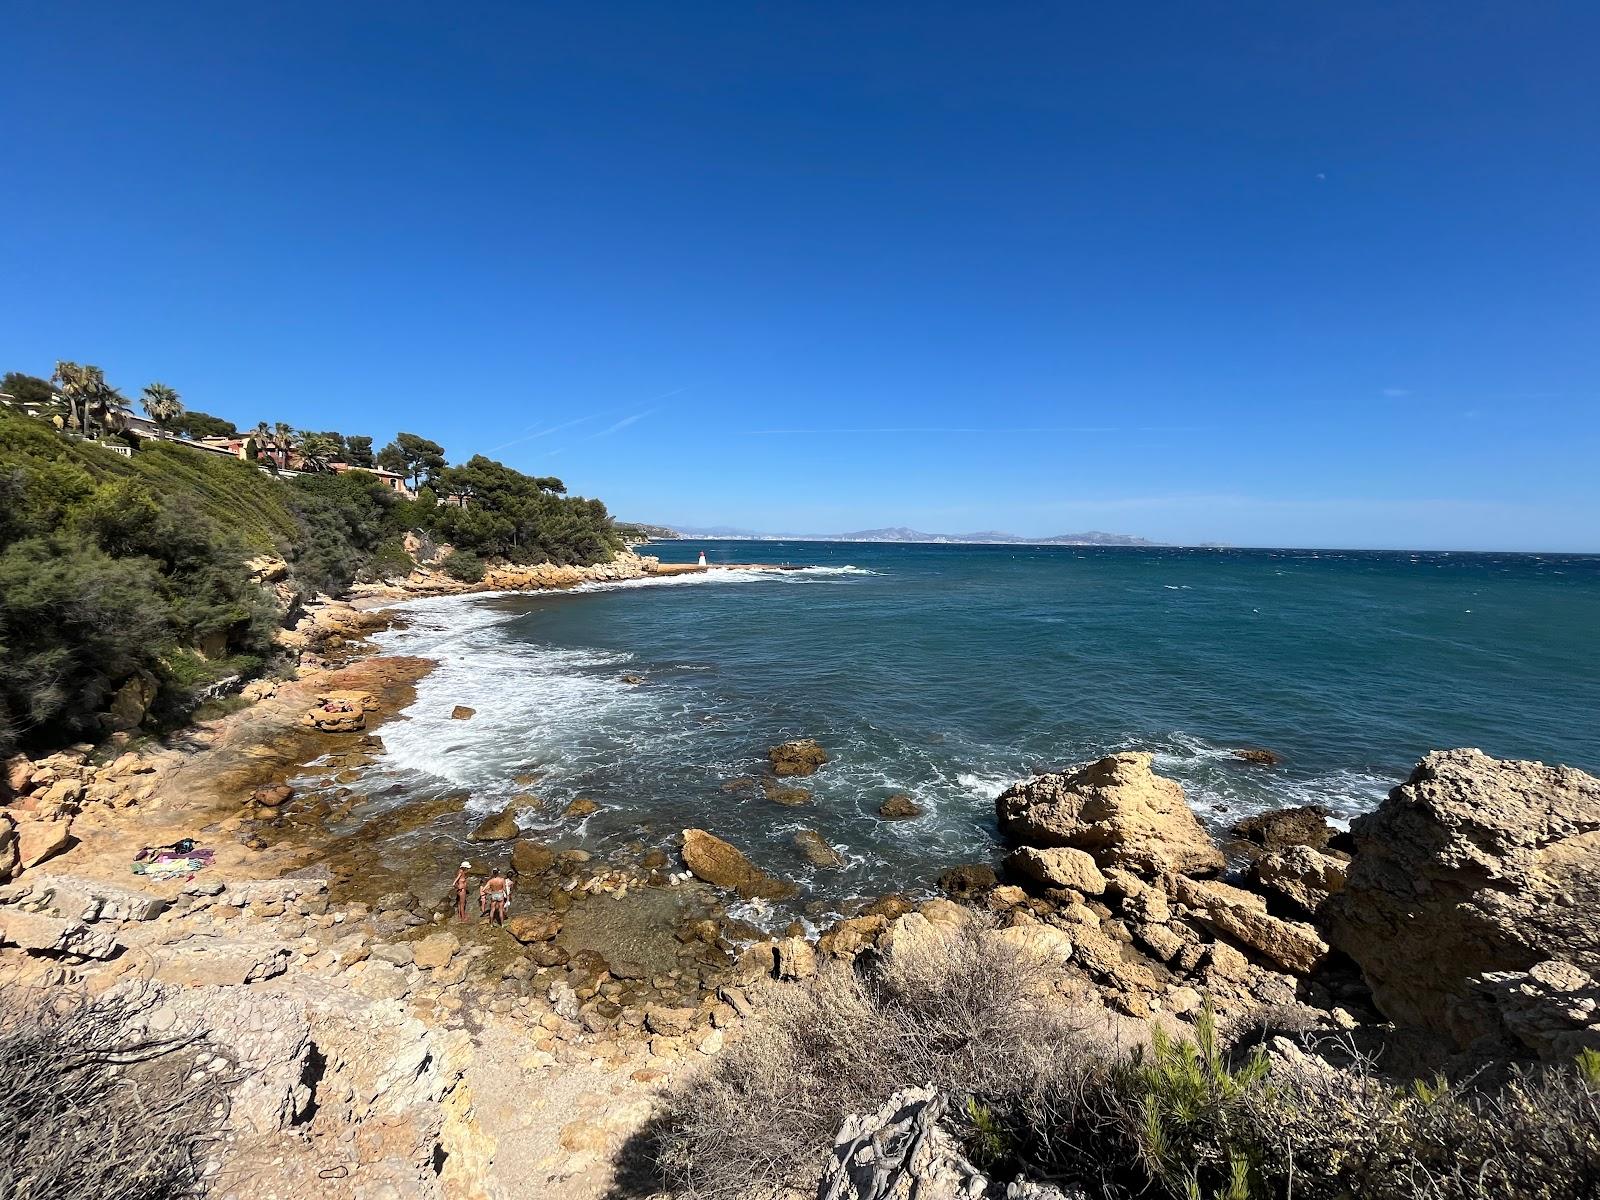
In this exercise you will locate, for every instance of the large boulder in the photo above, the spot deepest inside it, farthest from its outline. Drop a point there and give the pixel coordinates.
(1058, 866)
(1116, 809)
(1473, 871)
(816, 849)
(530, 858)
(800, 757)
(719, 863)
(1306, 825)
(1300, 874)
(131, 701)
(497, 827)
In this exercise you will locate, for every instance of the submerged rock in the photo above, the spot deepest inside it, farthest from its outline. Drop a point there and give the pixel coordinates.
(789, 797)
(816, 849)
(1258, 756)
(1116, 809)
(899, 808)
(1474, 869)
(717, 862)
(800, 757)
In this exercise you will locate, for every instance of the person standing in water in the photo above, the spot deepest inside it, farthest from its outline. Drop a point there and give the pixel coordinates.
(461, 885)
(702, 558)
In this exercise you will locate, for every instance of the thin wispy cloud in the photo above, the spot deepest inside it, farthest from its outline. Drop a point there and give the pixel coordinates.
(534, 432)
(539, 433)
(622, 424)
(1397, 393)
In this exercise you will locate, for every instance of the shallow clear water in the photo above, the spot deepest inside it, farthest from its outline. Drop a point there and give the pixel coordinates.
(948, 671)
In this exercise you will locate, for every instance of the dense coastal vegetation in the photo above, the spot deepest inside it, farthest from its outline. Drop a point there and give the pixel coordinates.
(135, 571)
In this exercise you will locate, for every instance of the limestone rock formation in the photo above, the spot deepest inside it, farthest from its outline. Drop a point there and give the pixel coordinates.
(1473, 868)
(530, 858)
(718, 863)
(900, 1152)
(800, 757)
(1242, 916)
(1300, 874)
(1118, 810)
(968, 881)
(55, 936)
(1059, 866)
(132, 701)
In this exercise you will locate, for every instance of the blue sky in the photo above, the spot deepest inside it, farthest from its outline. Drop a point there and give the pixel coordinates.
(1259, 273)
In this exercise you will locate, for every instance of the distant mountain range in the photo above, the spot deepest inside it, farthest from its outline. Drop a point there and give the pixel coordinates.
(899, 533)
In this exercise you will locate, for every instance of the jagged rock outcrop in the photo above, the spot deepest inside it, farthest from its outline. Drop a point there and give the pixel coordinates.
(1243, 917)
(1305, 825)
(719, 863)
(1304, 876)
(1116, 809)
(900, 1152)
(55, 936)
(1473, 904)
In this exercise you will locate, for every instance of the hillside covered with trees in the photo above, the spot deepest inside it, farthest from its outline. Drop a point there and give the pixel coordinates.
(133, 572)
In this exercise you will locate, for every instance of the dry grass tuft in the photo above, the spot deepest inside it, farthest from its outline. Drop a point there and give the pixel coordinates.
(961, 1011)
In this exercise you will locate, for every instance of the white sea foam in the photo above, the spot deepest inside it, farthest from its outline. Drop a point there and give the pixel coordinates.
(987, 786)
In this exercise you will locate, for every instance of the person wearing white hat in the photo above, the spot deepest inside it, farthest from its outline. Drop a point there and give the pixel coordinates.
(461, 885)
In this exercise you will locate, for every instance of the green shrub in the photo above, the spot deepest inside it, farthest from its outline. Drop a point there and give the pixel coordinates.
(465, 566)
(1190, 1113)
(389, 561)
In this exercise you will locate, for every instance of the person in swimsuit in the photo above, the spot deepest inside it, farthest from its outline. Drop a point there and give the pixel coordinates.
(461, 885)
(496, 891)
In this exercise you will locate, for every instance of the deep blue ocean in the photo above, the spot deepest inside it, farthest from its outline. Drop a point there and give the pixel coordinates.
(947, 672)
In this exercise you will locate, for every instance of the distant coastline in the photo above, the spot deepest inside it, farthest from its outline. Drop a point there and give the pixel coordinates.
(901, 534)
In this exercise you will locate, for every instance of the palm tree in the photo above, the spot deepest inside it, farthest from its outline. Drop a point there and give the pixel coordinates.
(89, 397)
(283, 438)
(261, 437)
(316, 449)
(75, 382)
(162, 404)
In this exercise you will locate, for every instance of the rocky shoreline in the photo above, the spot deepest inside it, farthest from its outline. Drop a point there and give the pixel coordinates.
(317, 943)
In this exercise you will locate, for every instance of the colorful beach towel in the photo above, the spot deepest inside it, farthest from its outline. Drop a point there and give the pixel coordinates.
(171, 866)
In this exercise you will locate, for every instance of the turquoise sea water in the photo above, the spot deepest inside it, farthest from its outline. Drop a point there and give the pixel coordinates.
(946, 672)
